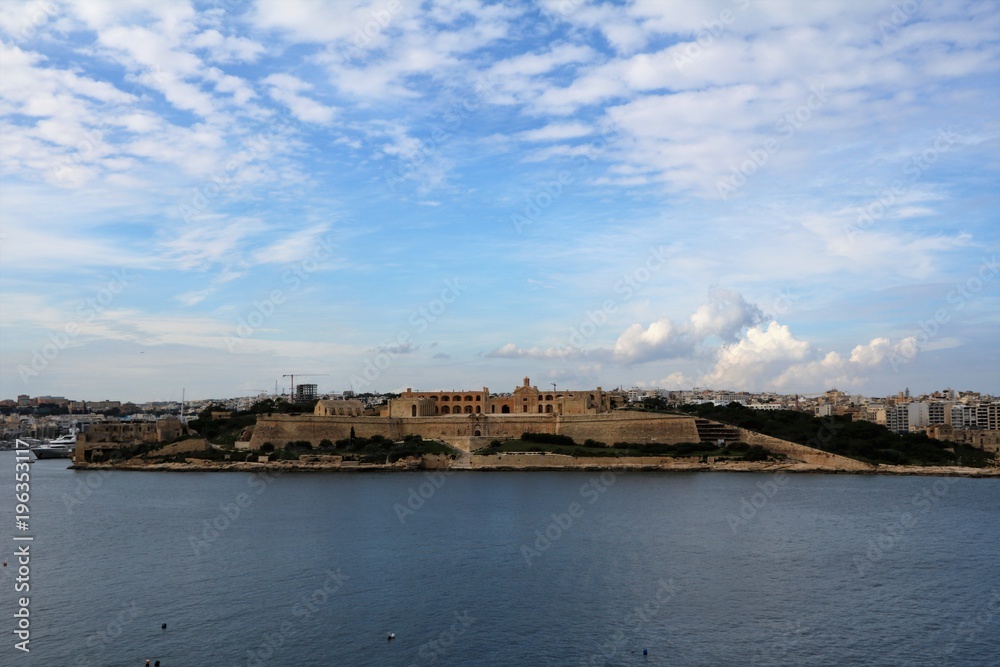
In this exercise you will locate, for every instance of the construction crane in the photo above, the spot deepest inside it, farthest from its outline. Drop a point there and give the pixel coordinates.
(292, 375)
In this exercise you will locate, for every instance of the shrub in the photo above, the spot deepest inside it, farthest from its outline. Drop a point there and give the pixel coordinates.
(548, 439)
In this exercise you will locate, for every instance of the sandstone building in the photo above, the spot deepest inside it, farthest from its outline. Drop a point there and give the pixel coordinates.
(525, 399)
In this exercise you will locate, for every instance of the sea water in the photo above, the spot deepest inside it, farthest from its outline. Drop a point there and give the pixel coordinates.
(502, 568)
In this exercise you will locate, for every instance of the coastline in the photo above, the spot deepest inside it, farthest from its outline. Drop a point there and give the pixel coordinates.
(644, 465)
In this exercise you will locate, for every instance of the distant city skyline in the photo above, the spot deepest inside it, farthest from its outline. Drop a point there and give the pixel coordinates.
(754, 196)
(283, 392)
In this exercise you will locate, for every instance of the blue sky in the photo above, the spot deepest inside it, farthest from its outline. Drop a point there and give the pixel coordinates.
(738, 194)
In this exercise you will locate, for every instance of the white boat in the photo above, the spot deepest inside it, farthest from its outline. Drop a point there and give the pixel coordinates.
(60, 448)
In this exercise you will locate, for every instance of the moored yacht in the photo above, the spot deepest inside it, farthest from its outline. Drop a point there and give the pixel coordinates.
(60, 448)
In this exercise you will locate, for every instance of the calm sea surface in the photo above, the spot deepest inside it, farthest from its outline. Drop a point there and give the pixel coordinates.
(504, 569)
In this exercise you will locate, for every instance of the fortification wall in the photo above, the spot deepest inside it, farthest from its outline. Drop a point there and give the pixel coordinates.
(279, 430)
(640, 427)
(465, 431)
(802, 453)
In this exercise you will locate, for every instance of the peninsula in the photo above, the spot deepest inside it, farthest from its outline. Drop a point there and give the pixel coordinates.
(526, 429)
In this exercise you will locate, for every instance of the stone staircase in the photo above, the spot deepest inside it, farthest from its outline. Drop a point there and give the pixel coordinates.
(709, 431)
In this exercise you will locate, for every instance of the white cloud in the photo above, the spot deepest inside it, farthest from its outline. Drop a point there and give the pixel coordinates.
(725, 315)
(309, 242)
(286, 89)
(512, 351)
(557, 132)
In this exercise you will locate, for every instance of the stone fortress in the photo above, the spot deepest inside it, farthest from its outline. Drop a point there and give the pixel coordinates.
(471, 419)
(525, 399)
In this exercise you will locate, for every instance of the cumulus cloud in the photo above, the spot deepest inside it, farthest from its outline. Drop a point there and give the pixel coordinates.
(773, 358)
(724, 316)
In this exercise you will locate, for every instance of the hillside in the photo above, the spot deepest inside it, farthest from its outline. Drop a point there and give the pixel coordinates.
(860, 440)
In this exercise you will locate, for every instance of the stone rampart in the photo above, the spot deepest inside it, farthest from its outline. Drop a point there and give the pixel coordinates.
(622, 426)
(467, 431)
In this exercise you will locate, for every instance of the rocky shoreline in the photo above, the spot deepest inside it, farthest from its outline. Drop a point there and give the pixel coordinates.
(469, 464)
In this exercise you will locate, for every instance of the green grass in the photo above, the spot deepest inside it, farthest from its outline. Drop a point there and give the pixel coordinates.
(737, 451)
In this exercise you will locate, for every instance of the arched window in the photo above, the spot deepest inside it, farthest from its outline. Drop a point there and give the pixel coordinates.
(468, 409)
(413, 410)
(468, 398)
(444, 398)
(548, 397)
(539, 409)
(444, 409)
(457, 398)
(505, 409)
(548, 409)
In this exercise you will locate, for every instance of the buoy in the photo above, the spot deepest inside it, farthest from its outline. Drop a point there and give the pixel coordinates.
(645, 652)
(163, 627)
(390, 636)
